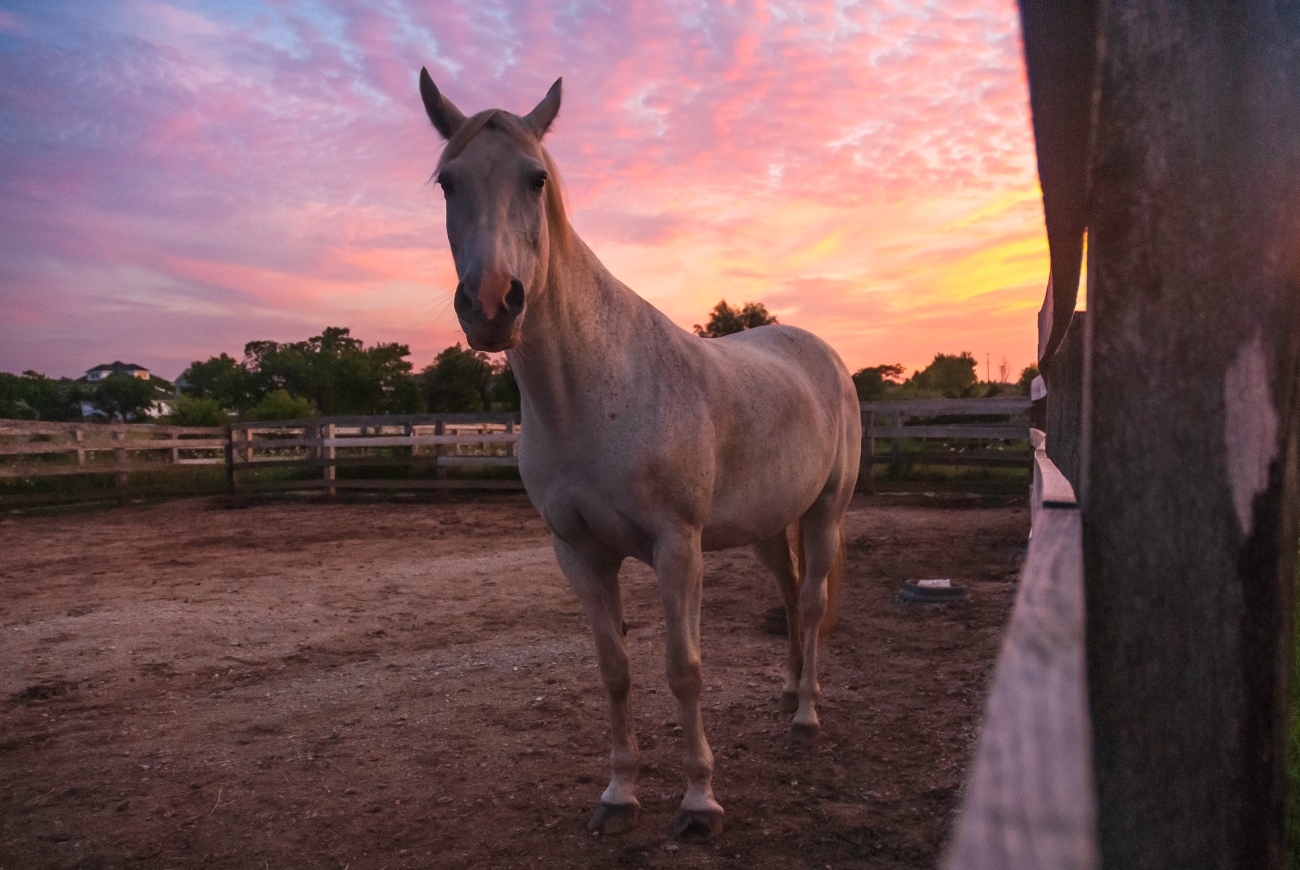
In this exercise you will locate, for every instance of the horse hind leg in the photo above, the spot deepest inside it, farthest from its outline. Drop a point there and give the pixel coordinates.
(780, 559)
(823, 554)
(595, 582)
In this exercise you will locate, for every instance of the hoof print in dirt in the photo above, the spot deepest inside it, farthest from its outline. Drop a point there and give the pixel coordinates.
(803, 735)
(611, 819)
(697, 826)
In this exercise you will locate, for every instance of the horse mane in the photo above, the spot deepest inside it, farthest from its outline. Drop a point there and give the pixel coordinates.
(557, 219)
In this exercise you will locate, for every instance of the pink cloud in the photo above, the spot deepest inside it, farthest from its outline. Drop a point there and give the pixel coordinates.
(278, 161)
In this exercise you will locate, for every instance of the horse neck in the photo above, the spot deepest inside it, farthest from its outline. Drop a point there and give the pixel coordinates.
(576, 338)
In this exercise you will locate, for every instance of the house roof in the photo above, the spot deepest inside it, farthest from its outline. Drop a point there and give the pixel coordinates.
(117, 366)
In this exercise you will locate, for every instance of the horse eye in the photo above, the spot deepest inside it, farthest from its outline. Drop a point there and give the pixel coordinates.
(539, 181)
(446, 184)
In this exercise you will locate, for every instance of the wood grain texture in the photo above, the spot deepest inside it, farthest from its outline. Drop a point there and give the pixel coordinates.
(1064, 376)
(1029, 799)
(1053, 490)
(1060, 38)
(1193, 425)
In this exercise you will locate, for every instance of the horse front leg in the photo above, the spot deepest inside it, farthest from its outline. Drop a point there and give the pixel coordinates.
(679, 565)
(594, 578)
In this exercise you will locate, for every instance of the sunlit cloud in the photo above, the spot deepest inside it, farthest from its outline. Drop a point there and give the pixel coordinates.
(182, 177)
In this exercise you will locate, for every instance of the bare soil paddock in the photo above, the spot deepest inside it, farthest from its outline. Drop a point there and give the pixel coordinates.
(412, 685)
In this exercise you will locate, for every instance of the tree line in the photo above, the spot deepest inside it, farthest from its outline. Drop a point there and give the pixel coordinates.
(951, 376)
(335, 374)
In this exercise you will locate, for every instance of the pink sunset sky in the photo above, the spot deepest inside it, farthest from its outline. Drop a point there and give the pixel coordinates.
(180, 178)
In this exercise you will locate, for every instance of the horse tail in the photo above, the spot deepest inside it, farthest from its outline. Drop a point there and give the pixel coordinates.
(834, 578)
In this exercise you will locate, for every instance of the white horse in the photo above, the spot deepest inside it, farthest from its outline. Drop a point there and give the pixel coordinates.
(641, 440)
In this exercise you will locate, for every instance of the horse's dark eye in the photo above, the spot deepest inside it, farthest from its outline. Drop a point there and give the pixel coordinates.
(539, 181)
(446, 184)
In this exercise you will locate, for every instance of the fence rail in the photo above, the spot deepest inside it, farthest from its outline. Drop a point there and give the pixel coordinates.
(431, 441)
(972, 438)
(428, 446)
(1029, 800)
(31, 450)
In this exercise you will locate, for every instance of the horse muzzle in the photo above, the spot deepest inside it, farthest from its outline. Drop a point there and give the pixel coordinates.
(490, 319)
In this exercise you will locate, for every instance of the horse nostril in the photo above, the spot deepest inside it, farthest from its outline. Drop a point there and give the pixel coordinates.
(461, 301)
(515, 297)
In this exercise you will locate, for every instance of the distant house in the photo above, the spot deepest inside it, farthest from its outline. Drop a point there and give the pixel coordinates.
(104, 370)
(163, 389)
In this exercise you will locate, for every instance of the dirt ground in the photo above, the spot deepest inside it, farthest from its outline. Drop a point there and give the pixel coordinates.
(366, 685)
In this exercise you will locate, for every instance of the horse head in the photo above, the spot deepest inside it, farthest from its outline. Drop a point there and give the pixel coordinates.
(504, 211)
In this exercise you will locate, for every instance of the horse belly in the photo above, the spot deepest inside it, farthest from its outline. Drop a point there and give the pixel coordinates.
(770, 478)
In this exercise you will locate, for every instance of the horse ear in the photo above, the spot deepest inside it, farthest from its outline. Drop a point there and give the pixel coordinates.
(540, 118)
(442, 112)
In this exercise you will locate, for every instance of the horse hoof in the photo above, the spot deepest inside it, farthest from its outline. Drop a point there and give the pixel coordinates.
(611, 819)
(789, 702)
(802, 734)
(697, 826)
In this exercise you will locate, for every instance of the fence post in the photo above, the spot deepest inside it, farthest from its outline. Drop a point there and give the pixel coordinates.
(248, 440)
(230, 459)
(79, 436)
(1063, 374)
(330, 453)
(440, 470)
(1191, 466)
(409, 431)
(119, 465)
(866, 469)
(896, 444)
(176, 453)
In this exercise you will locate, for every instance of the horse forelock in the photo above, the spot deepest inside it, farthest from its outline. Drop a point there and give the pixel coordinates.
(495, 119)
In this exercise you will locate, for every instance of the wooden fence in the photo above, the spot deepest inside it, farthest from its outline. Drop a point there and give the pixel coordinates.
(434, 443)
(1029, 798)
(34, 449)
(417, 443)
(427, 446)
(981, 443)
(1140, 710)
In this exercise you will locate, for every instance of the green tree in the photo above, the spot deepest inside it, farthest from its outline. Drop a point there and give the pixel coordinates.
(280, 405)
(504, 389)
(725, 320)
(33, 396)
(122, 397)
(198, 411)
(458, 381)
(874, 382)
(949, 375)
(336, 371)
(225, 380)
(13, 399)
(1026, 379)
